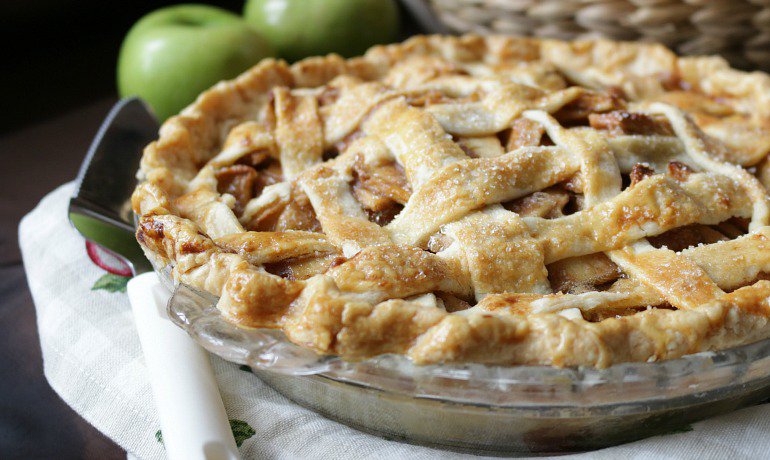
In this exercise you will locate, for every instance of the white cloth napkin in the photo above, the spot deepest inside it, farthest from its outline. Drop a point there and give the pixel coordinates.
(92, 359)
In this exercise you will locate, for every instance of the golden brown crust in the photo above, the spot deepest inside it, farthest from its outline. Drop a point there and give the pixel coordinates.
(281, 192)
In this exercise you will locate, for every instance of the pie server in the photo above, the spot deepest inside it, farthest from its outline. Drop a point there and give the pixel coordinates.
(192, 416)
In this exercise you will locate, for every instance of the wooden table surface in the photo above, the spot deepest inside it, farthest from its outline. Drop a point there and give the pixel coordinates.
(34, 421)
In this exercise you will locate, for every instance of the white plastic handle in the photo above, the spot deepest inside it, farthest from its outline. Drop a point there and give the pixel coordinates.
(192, 416)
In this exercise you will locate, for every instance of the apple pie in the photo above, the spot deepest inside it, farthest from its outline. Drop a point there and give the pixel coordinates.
(475, 199)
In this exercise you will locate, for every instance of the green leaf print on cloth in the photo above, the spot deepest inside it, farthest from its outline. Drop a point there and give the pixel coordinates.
(111, 283)
(241, 432)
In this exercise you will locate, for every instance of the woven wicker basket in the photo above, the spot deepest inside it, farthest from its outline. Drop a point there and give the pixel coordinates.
(739, 30)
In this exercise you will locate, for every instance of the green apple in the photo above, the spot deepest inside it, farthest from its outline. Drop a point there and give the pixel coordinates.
(301, 28)
(173, 54)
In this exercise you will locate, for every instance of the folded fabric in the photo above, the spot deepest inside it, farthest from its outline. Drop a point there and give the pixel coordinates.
(93, 360)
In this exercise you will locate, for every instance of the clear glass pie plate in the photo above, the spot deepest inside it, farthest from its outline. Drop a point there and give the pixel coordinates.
(488, 408)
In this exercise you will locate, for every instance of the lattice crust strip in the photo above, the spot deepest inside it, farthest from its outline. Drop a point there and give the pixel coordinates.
(493, 199)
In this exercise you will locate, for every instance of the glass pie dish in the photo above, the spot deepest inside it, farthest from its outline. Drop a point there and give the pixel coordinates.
(482, 407)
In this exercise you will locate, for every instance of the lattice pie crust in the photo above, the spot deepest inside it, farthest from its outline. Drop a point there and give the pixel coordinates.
(484, 199)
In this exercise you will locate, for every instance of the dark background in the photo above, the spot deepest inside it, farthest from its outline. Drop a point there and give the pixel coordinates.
(58, 82)
(62, 53)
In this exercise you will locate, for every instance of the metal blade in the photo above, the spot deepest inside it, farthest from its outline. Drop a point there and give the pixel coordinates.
(100, 207)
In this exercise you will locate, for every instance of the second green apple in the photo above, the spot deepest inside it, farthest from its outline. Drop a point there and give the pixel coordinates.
(302, 28)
